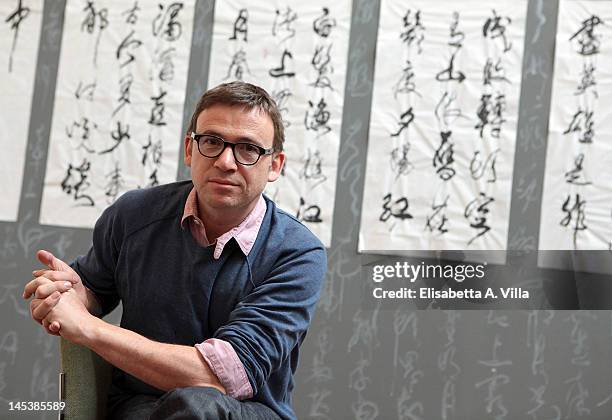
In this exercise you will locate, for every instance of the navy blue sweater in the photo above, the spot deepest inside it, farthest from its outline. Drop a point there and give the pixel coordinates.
(173, 291)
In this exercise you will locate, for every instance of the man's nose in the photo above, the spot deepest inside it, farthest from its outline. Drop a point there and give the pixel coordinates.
(225, 160)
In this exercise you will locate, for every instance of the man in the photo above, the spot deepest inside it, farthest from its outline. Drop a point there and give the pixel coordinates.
(218, 285)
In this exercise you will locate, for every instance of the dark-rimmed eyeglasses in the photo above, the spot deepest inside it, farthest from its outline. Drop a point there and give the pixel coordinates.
(212, 146)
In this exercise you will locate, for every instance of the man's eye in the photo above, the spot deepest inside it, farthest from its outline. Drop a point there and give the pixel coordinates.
(249, 148)
(210, 141)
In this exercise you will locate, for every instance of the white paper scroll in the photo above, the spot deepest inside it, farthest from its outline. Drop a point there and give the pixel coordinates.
(298, 52)
(20, 22)
(118, 105)
(443, 125)
(577, 197)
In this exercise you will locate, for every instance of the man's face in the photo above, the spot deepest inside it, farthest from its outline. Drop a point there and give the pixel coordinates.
(224, 185)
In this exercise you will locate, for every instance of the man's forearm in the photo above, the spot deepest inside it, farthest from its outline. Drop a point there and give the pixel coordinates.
(164, 366)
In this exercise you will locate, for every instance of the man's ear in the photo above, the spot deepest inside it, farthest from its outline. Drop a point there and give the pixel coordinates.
(278, 161)
(188, 150)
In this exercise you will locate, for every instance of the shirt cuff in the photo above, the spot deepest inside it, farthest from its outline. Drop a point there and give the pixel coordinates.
(225, 364)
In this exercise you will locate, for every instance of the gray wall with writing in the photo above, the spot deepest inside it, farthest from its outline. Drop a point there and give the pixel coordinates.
(365, 361)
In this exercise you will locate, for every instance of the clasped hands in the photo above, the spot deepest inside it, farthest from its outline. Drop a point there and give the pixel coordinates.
(59, 296)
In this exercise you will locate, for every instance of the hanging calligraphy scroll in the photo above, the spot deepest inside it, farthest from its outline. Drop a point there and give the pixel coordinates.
(118, 105)
(443, 125)
(20, 22)
(298, 52)
(577, 197)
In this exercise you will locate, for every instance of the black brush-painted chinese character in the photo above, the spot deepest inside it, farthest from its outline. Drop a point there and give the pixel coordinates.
(118, 135)
(241, 25)
(281, 71)
(400, 165)
(282, 27)
(312, 169)
(152, 152)
(476, 214)
(85, 91)
(405, 84)
(82, 126)
(165, 24)
(114, 184)
(491, 113)
(449, 73)
(281, 97)
(443, 157)
(397, 209)
(323, 25)
(456, 36)
(493, 72)
(321, 61)
(317, 117)
(445, 112)
(478, 167)
(582, 122)
(131, 17)
(495, 27)
(163, 60)
(588, 41)
(575, 215)
(14, 20)
(413, 30)
(94, 20)
(125, 86)
(123, 54)
(308, 213)
(587, 80)
(405, 120)
(75, 183)
(576, 175)
(159, 107)
(436, 220)
(238, 66)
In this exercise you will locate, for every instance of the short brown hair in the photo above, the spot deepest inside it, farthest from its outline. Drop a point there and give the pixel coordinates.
(248, 96)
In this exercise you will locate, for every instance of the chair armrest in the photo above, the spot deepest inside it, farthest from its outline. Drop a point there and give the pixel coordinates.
(86, 379)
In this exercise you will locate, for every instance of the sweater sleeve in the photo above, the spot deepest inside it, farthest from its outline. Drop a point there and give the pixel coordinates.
(97, 267)
(272, 320)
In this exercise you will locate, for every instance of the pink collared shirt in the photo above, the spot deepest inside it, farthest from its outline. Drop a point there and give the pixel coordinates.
(219, 354)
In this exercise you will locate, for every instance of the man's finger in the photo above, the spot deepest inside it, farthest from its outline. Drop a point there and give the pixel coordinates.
(51, 328)
(55, 275)
(51, 261)
(31, 287)
(42, 310)
(45, 290)
(33, 305)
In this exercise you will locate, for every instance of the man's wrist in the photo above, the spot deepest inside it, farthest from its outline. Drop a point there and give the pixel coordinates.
(89, 331)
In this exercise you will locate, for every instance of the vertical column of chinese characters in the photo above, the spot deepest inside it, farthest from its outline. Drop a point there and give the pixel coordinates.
(81, 132)
(125, 60)
(239, 66)
(282, 78)
(412, 35)
(447, 111)
(581, 129)
(490, 116)
(317, 116)
(167, 30)
(283, 33)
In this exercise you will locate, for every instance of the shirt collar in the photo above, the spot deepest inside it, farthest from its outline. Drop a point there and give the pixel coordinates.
(244, 234)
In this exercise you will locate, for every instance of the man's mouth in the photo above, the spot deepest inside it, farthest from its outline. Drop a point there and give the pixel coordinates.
(223, 181)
